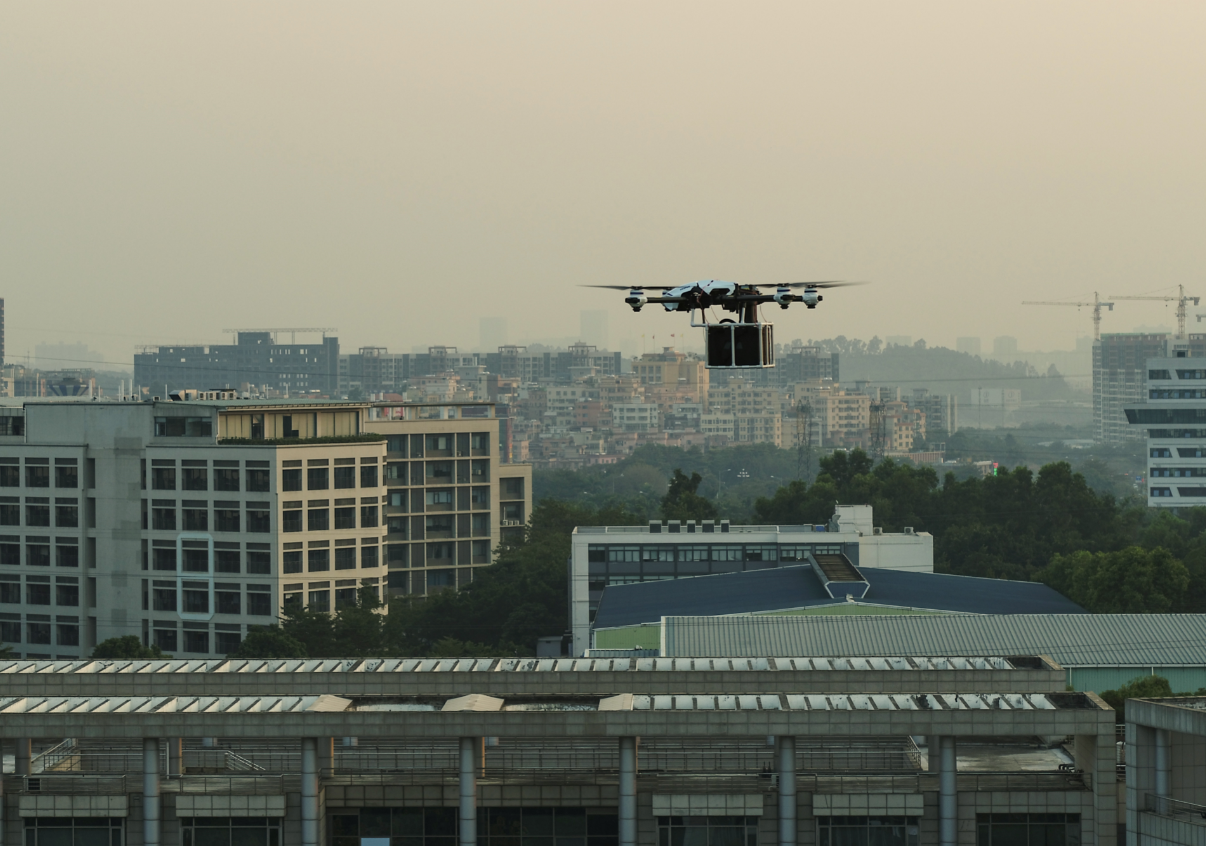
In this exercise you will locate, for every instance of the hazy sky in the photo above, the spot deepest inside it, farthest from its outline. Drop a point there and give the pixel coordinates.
(399, 170)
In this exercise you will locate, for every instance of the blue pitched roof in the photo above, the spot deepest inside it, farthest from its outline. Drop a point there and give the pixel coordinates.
(782, 588)
(707, 596)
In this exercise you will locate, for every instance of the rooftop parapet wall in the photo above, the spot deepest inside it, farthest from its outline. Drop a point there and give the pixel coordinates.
(552, 677)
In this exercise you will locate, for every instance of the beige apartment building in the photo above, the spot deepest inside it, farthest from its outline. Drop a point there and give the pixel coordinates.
(187, 522)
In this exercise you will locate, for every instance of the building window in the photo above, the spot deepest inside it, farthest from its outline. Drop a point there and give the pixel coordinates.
(480, 497)
(259, 604)
(345, 477)
(197, 642)
(10, 594)
(77, 831)
(183, 427)
(163, 519)
(259, 518)
(226, 561)
(194, 478)
(196, 601)
(345, 598)
(227, 642)
(291, 521)
(163, 558)
(368, 557)
(67, 516)
(37, 476)
(440, 527)
(37, 554)
(1027, 829)
(291, 480)
(66, 475)
(368, 477)
(195, 519)
(439, 472)
(10, 476)
(345, 518)
(440, 497)
(292, 561)
(68, 634)
(369, 516)
(10, 512)
(714, 831)
(318, 478)
(228, 602)
(257, 480)
(66, 555)
(444, 553)
(345, 558)
(37, 515)
(319, 560)
(481, 552)
(164, 599)
(320, 600)
(37, 593)
(37, 633)
(195, 560)
(163, 478)
(255, 831)
(165, 639)
(226, 519)
(10, 632)
(226, 479)
(68, 595)
(259, 561)
(318, 519)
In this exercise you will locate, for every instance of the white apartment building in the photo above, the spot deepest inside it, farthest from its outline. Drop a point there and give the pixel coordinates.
(635, 417)
(1174, 423)
(187, 522)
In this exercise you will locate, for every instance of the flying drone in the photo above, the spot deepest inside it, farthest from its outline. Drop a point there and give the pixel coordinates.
(747, 342)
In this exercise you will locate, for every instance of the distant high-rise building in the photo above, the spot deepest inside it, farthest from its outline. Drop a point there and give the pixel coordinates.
(1004, 345)
(971, 346)
(492, 333)
(898, 341)
(1, 331)
(65, 356)
(1120, 377)
(255, 359)
(593, 328)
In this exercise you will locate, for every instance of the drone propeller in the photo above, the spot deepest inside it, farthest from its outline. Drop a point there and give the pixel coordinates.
(633, 287)
(808, 284)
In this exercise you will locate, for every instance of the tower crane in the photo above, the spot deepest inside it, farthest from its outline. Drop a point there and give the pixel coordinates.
(1097, 305)
(1181, 300)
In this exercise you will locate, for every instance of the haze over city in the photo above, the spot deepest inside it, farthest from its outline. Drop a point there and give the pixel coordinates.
(401, 170)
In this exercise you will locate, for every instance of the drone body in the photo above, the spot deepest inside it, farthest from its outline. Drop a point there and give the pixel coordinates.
(747, 342)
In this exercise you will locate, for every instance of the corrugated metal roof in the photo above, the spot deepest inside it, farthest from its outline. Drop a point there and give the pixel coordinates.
(169, 704)
(844, 702)
(1073, 640)
(650, 664)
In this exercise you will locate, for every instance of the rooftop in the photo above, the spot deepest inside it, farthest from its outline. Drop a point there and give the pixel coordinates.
(1072, 640)
(789, 588)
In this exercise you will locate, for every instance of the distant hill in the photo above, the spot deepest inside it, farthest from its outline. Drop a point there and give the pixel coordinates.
(942, 370)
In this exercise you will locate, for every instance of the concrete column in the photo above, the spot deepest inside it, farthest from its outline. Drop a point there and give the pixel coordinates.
(628, 801)
(2, 817)
(150, 791)
(1162, 763)
(175, 746)
(309, 792)
(468, 795)
(22, 751)
(786, 765)
(948, 796)
(326, 756)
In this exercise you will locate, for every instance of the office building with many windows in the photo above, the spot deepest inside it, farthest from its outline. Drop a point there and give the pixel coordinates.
(1173, 421)
(185, 523)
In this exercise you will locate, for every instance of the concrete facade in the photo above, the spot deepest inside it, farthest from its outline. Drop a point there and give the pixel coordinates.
(184, 523)
(1166, 772)
(747, 757)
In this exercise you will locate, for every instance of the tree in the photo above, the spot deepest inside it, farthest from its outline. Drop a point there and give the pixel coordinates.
(1130, 581)
(127, 648)
(6, 651)
(358, 628)
(1140, 687)
(269, 642)
(681, 501)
